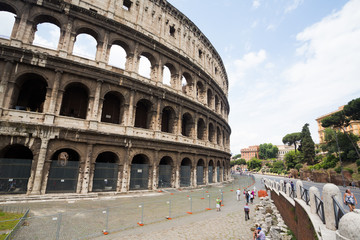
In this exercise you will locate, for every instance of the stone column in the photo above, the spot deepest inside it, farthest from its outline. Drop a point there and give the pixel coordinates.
(177, 171)
(67, 38)
(299, 185)
(155, 173)
(54, 93)
(40, 167)
(131, 114)
(282, 185)
(194, 179)
(313, 191)
(86, 175)
(329, 191)
(4, 82)
(59, 101)
(95, 107)
(126, 171)
(288, 189)
(206, 171)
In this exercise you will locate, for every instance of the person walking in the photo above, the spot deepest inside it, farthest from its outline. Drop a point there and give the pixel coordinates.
(247, 196)
(350, 199)
(247, 212)
(218, 204)
(238, 193)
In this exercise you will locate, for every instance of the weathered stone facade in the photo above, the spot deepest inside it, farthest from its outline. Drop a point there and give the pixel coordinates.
(85, 125)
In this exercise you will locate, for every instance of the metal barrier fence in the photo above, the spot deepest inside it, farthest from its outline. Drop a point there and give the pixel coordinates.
(131, 213)
(320, 208)
(12, 234)
(338, 211)
(305, 195)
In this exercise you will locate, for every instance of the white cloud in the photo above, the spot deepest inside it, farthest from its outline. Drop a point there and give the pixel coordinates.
(9, 19)
(256, 4)
(295, 4)
(270, 27)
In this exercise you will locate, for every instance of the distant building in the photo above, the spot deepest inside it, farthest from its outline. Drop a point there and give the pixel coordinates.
(284, 149)
(250, 152)
(354, 126)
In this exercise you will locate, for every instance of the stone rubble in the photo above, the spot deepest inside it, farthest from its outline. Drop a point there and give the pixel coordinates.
(269, 219)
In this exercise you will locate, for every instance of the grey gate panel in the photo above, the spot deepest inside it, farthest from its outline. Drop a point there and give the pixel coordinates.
(218, 173)
(63, 179)
(164, 176)
(105, 177)
(139, 176)
(223, 173)
(200, 175)
(185, 173)
(210, 174)
(14, 175)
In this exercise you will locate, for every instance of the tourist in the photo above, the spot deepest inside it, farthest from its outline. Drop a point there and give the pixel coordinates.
(247, 212)
(238, 193)
(218, 204)
(255, 231)
(350, 199)
(252, 195)
(247, 196)
(260, 235)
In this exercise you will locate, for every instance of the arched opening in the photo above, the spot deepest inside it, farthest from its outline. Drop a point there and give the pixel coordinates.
(165, 172)
(200, 172)
(166, 76)
(117, 56)
(143, 114)
(47, 35)
(186, 83)
(185, 172)
(218, 172)
(167, 120)
(211, 132)
(144, 66)
(209, 98)
(200, 91)
(112, 108)
(106, 172)
(31, 93)
(7, 15)
(218, 135)
(139, 178)
(85, 46)
(75, 101)
(186, 125)
(216, 103)
(211, 171)
(201, 129)
(15, 169)
(64, 171)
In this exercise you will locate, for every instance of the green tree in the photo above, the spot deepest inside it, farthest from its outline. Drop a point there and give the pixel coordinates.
(292, 139)
(267, 150)
(254, 163)
(352, 109)
(278, 167)
(293, 158)
(237, 156)
(307, 145)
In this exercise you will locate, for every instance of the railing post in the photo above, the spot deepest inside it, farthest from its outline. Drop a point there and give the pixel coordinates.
(329, 191)
(312, 192)
(298, 190)
(58, 226)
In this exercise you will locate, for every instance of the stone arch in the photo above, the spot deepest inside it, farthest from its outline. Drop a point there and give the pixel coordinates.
(211, 171)
(218, 136)
(118, 52)
(106, 172)
(200, 174)
(143, 114)
(168, 120)
(8, 12)
(185, 172)
(145, 59)
(187, 124)
(211, 133)
(216, 103)
(9, 7)
(63, 172)
(139, 176)
(30, 92)
(201, 129)
(200, 91)
(187, 83)
(15, 165)
(173, 74)
(209, 98)
(75, 100)
(91, 42)
(113, 108)
(166, 166)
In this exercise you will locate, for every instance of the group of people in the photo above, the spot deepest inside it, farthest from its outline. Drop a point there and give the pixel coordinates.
(249, 195)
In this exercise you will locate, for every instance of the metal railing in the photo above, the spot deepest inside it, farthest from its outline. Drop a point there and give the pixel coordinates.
(320, 208)
(305, 195)
(11, 235)
(339, 211)
(292, 193)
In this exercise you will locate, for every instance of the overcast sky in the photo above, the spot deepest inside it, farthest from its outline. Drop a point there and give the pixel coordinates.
(288, 61)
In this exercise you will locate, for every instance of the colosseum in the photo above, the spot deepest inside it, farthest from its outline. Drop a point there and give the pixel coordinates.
(154, 116)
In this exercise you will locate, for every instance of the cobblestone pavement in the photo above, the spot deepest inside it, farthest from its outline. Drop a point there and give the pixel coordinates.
(86, 218)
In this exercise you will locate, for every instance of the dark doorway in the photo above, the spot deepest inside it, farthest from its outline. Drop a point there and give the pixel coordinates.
(165, 172)
(185, 172)
(64, 171)
(139, 173)
(75, 101)
(106, 172)
(211, 171)
(15, 169)
(111, 108)
(200, 172)
(167, 120)
(142, 115)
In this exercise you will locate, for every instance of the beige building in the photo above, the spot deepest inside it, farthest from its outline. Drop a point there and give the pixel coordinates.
(354, 126)
(284, 149)
(76, 124)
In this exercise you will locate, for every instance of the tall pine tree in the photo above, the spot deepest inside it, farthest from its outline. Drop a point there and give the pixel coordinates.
(307, 145)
